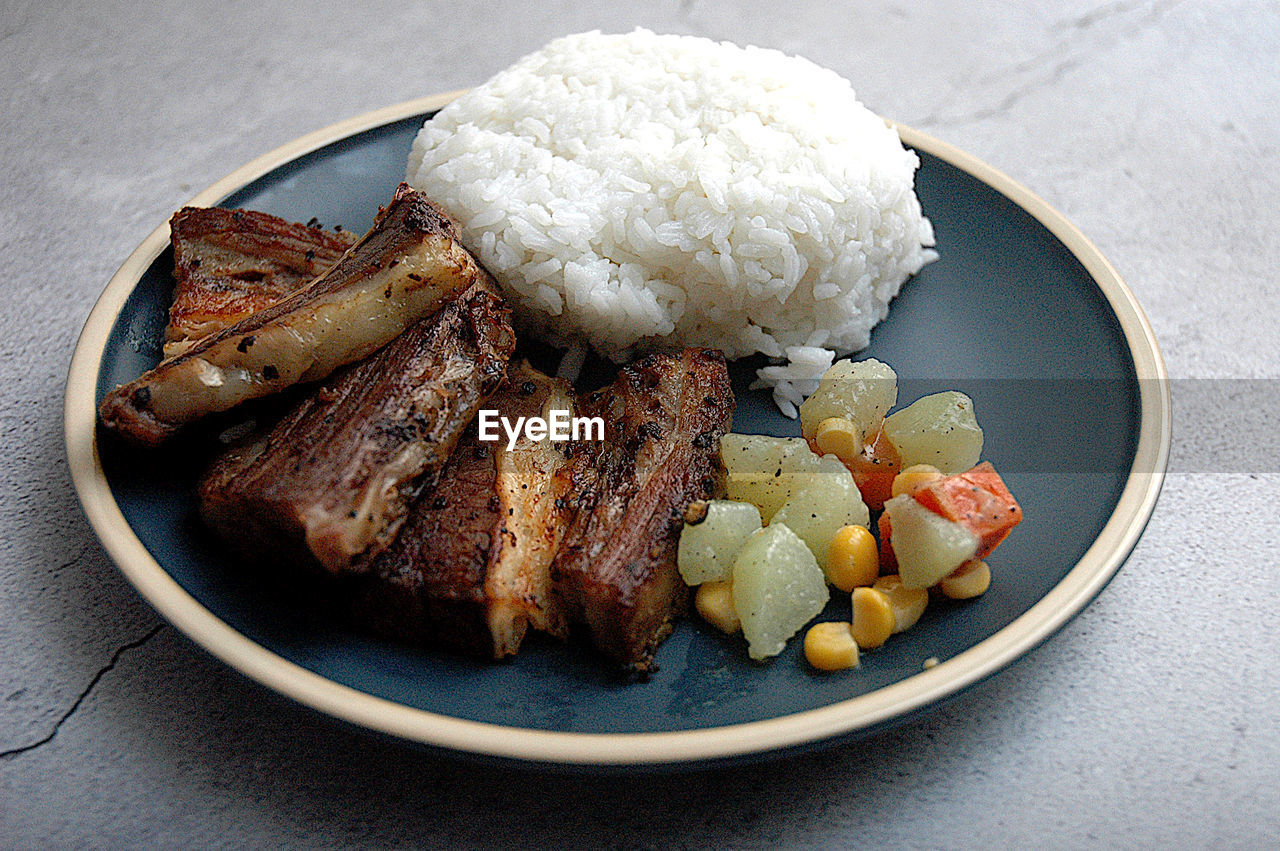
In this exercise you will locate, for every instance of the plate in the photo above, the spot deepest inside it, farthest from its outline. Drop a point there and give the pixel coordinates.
(1021, 312)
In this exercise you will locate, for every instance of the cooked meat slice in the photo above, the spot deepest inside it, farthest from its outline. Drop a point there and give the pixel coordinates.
(334, 479)
(228, 264)
(402, 270)
(471, 568)
(616, 571)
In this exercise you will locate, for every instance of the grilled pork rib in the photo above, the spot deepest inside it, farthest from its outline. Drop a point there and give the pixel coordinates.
(470, 568)
(334, 479)
(616, 570)
(228, 264)
(402, 270)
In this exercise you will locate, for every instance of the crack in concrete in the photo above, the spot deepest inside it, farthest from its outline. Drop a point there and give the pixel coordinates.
(1059, 69)
(22, 17)
(84, 550)
(1097, 15)
(80, 699)
(1008, 101)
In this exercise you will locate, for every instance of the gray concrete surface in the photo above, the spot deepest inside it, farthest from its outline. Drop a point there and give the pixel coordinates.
(1152, 720)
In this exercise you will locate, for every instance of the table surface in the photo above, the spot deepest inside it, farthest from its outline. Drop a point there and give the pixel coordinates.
(1152, 719)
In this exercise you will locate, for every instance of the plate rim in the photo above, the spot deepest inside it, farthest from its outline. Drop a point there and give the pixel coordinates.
(1067, 598)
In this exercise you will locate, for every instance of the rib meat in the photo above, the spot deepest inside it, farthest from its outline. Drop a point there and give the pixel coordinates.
(334, 479)
(403, 269)
(470, 568)
(616, 571)
(228, 264)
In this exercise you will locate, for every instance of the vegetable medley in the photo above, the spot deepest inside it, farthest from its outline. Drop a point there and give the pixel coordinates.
(798, 519)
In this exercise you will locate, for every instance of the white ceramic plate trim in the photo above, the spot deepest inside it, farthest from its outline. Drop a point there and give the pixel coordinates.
(1063, 601)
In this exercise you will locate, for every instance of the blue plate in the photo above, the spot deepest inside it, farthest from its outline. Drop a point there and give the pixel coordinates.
(1020, 312)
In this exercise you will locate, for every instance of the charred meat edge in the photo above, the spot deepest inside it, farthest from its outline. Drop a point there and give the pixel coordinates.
(403, 269)
(616, 571)
(470, 570)
(228, 264)
(334, 479)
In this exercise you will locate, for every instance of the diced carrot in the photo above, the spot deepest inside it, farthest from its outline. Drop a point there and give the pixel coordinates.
(888, 558)
(978, 500)
(874, 470)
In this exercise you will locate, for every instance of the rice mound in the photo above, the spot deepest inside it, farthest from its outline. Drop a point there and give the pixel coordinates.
(641, 189)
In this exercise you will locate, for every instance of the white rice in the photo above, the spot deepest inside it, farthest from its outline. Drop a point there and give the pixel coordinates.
(642, 189)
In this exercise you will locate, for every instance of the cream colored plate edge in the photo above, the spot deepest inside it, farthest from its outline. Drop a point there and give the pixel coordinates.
(1071, 594)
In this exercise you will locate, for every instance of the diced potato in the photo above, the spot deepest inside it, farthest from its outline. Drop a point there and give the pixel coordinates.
(926, 545)
(820, 505)
(713, 533)
(765, 491)
(860, 391)
(940, 430)
(763, 470)
(777, 589)
(754, 453)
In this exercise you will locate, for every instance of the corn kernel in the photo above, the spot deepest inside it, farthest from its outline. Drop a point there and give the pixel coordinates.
(714, 601)
(914, 477)
(908, 603)
(969, 580)
(838, 436)
(853, 559)
(872, 618)
(830, 646)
